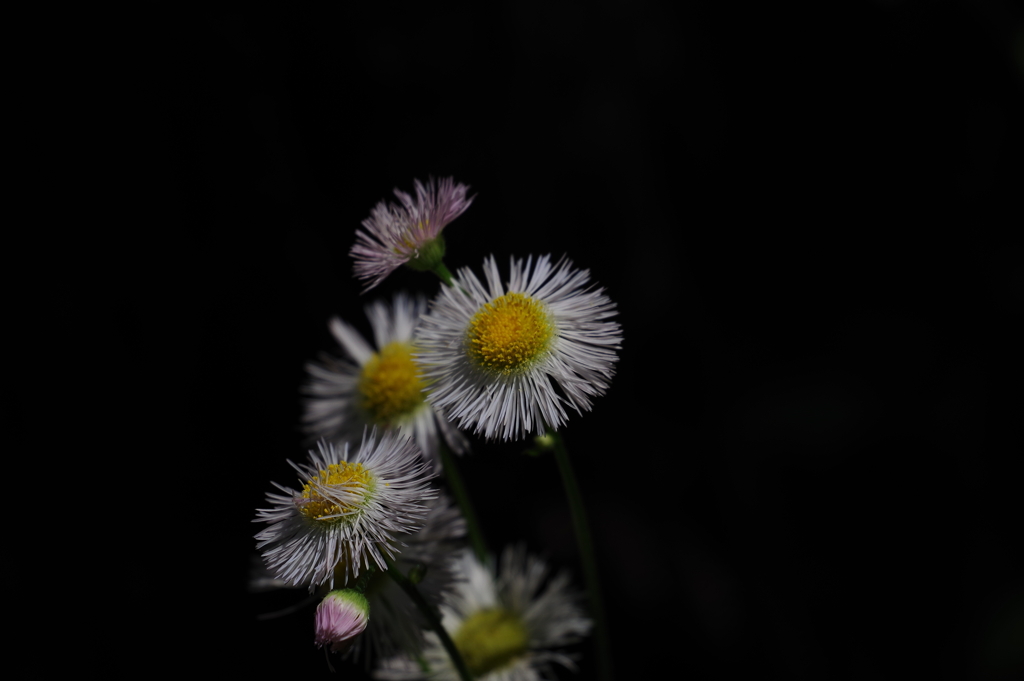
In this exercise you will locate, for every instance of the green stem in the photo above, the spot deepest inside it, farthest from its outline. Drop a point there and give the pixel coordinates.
(458, 488)
(589, 559)
(432, 618)
(364, 579)
(441, 271)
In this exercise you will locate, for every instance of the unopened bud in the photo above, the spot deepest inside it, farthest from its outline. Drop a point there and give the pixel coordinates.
(340, 617)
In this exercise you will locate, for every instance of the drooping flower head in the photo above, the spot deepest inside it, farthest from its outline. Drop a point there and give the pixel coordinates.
(494, 353)
(410, 233)
(341, 616)
(347, 512)
(377, 386)
(508, 625)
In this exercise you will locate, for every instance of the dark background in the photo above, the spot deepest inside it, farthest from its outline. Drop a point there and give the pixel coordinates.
(804, 463)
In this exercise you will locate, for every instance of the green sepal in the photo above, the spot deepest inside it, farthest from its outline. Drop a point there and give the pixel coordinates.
(431, 254)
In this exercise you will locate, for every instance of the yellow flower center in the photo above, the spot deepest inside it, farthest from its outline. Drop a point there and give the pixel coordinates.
(491, 639)
(352, 484)
(390, 384)
(509, 333)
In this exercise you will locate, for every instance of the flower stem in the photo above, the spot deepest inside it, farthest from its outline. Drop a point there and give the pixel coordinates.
(587, 555)
(432, 618)
(441, 271)
(458, 488)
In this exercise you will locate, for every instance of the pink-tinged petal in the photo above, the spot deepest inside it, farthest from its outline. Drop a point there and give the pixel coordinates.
(394, 234)
(340, 617)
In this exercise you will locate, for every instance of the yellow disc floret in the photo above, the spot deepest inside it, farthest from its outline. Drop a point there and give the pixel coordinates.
(336, 492)
(390, 384)
(491, 639)
(509, 333)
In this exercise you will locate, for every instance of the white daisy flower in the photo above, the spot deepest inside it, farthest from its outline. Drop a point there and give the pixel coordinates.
(348, 512)
(396, 625)
(409, 234)
(493, 354)
(507, 626)
(377, 386)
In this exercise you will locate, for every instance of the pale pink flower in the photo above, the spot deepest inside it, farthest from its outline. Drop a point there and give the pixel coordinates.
(410, 233)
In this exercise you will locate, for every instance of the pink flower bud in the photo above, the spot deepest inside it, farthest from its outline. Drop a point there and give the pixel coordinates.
(340, 617)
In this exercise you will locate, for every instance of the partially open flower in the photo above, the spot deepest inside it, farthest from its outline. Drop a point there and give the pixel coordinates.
(341, 616)
(410, 233)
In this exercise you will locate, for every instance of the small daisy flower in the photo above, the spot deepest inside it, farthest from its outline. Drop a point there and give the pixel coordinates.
(409, 234)
(493, 354)
(397, 624)
(507, 626)
(341, 616)
(377, 386)
(348, 511)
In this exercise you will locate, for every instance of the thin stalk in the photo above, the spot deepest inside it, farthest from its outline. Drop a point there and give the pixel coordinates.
(587, 556)
(432, 618)
(442, 272)
(458, 488)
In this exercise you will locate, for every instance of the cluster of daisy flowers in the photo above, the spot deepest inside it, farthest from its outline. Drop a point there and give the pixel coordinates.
(369, 529)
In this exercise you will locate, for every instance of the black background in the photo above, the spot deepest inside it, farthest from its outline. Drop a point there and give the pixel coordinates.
(804, 463)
